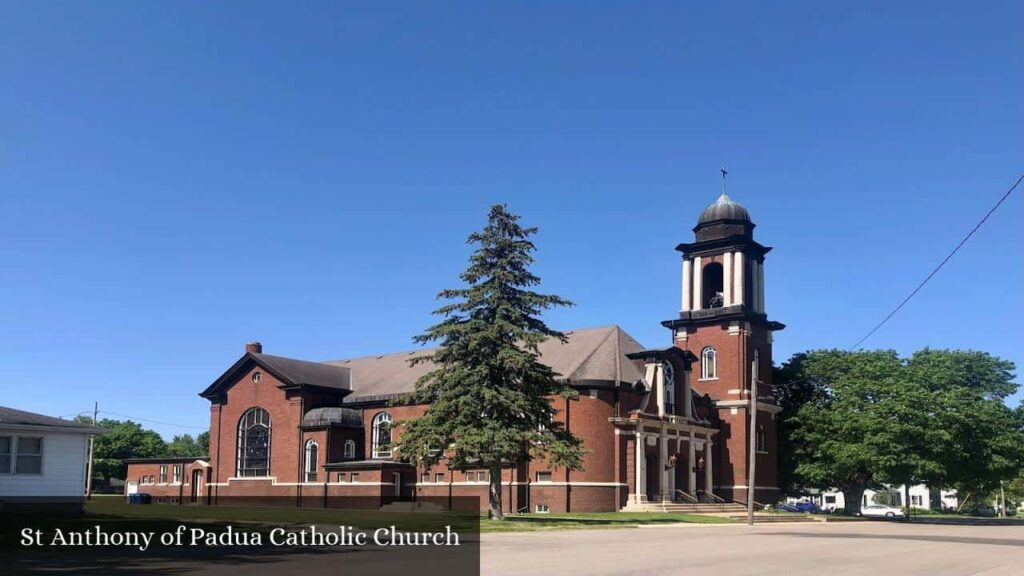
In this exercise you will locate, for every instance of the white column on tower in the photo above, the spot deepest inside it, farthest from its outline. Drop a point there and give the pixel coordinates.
(687, 284)
(727, 278)
(760, 287)
(753, 284)
(698, 298)
(737, 288)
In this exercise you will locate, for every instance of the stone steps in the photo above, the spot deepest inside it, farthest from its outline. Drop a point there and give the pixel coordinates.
(685, 508)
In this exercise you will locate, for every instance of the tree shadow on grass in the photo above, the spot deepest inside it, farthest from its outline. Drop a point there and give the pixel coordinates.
(159, 561)
(540, 520)
(255, 560)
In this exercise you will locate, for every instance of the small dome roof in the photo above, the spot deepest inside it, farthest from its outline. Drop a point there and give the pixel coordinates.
(333, 416)
(724, 208)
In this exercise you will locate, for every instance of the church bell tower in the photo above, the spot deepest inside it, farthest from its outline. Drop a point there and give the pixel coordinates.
(723, 322)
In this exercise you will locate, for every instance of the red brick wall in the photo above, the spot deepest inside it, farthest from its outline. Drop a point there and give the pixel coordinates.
(285, 415)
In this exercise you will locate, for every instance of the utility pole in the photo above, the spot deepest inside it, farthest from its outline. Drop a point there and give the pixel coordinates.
(753, 444)
(92, 437)
(1002, 498)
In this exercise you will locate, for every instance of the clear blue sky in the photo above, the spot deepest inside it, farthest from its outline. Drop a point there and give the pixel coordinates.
(178, 178)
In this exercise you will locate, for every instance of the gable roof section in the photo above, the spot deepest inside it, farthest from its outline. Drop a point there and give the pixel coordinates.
(13, 418)
(590, 355)
(289, 371)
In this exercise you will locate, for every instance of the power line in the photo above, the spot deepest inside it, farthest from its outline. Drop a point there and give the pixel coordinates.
(941, 264)
(152, 421)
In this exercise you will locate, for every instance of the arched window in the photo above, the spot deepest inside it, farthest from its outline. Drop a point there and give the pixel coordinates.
(311, 453)
(669, 380)
(712, 290)
(382, 435)
(253, 443)
(761, 440)
(708, 364)
(350, 450)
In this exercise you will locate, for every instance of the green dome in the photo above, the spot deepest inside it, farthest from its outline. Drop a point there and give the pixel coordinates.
(724, 208)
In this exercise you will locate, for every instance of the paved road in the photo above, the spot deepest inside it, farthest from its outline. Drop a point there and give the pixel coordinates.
(873, 548)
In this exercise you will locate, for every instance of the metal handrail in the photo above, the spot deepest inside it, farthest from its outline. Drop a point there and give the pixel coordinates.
(757, 505)
(687, 497)
(715, 497)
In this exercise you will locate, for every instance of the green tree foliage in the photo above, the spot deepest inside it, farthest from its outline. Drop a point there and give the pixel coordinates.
(488, 396)
(126, 439)
(123, 439)
(854, 419)
(203, 443)
(186, 445)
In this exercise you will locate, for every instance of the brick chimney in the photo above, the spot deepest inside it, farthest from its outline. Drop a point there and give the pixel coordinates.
(254, 347)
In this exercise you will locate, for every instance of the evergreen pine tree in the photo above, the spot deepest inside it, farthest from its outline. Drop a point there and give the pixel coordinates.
(488, 396)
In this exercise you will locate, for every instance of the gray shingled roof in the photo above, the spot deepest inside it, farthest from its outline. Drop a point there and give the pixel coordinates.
(590, 354)
(303, 372)
(17, 418)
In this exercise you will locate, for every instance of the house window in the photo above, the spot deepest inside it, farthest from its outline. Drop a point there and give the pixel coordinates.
(5, 454)
(830, 499)
(382, 435)
(176, 471)
(311, 458)
(543, 508)
(341, 476)
(439, 477)
(708, 364)
(915, 500)
(253, 457)
(163, 474)
(760, 438)
(256, 377)
(354, 477)
(424, 478)
(29, 456)
(350, 449)
(544, 476)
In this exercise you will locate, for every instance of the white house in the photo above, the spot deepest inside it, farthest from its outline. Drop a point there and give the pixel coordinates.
(42, 459)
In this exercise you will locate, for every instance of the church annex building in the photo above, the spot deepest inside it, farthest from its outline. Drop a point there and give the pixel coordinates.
(660, 425)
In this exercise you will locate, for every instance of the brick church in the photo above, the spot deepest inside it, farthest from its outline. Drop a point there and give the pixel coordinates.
(660, 425)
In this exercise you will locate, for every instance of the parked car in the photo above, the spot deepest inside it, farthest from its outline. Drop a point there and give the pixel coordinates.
(807, 507)
(981, 510)
(880, 511)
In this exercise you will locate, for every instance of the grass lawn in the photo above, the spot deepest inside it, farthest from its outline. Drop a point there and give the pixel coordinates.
(115, 507)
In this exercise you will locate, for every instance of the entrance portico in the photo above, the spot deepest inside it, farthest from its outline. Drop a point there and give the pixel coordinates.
(667, 454)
